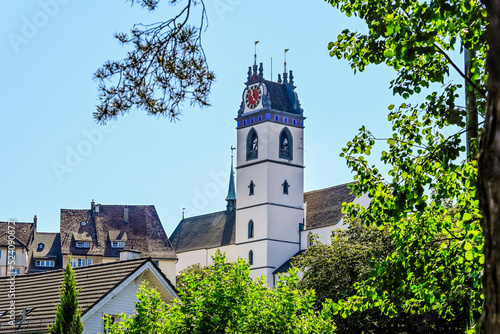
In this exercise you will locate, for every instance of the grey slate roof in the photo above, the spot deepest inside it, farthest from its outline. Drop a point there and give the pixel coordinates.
(141, 229)
(206, 231)
(39, 293)
(51, 251)
(23, 233)
(288, 264)
(324, 206)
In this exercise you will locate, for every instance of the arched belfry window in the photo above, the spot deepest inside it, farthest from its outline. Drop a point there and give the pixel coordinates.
(252, 145)
(250, 229)
(250, 257)
(286, 142)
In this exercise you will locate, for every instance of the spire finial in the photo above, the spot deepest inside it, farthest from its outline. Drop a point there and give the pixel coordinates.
(231, 193)
(183, 209)
(255, 53)
(286, 50)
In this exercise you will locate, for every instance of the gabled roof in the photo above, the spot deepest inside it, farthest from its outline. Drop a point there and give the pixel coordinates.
(39, 293)
(206, 231)
(22, 232)
(138, 225)
(324, 206)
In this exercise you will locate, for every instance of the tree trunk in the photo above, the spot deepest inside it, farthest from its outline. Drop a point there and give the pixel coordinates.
(471, 106)
(489, 177)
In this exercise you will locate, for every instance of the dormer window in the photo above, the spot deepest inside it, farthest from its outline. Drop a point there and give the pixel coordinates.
(40, 247)
(117, 244)
(83, 244)
(83, 223)
(45, 263)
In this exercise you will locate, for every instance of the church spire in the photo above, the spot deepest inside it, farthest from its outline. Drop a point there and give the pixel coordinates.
(231, 193)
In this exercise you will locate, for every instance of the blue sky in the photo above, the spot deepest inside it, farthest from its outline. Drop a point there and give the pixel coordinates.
(50, 49)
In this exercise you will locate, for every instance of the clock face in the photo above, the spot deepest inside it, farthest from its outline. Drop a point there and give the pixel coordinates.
(253, 96)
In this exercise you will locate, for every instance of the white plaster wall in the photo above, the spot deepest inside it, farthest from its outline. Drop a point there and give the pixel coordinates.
(203, 257)
(283, 223)
(268, 133)
(168, 267)
(324, 233)
(124, 301)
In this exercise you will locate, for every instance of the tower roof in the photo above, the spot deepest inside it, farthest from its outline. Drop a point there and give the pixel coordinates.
(279, 95)
(231, 193)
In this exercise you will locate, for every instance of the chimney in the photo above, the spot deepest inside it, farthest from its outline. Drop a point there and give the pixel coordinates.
(35, 220)
(92, 206)
(129, 254)
(97, 208)
(125, 215)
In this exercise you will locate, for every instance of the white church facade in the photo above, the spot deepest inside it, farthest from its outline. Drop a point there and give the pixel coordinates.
(271, 218)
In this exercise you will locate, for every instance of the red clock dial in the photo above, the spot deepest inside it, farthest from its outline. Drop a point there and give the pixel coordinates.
(253, 96)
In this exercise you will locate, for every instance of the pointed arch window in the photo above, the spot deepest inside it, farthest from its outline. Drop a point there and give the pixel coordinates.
(286, 142)
(250, 229)
(250, 257)
(252, 144)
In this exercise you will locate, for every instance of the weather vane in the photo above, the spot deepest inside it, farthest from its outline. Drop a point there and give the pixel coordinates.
(255, 53)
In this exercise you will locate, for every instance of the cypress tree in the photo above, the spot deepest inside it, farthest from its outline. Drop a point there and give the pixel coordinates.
(68, 315)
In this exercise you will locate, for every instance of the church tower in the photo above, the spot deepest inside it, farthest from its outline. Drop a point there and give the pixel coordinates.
(270, 173)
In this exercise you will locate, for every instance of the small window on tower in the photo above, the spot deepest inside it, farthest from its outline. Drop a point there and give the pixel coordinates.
(251, 188)
(252, 145)
(286, 144)
(285, 185)
(250, 229)
(276, 118)
(259, 119)
(250, 257)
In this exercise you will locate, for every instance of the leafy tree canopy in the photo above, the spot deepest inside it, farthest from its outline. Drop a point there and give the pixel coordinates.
(227, 300)
(428, 202)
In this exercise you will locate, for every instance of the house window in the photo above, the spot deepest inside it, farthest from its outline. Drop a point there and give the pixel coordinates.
(12, 254)
(250, 229)
(15, 271)
(285, 185)
(286, 144)
(89, 262)
(109, 319)
(251, 186)
(40, 247)
(0, 253)
(81, 262)
(252, 144)
(83, 244)
(310, 239)
(117, 244)
(44, 263)
(250, 257)
(73, 263)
